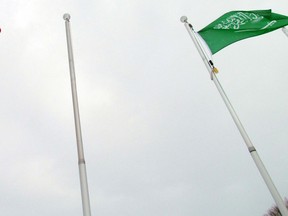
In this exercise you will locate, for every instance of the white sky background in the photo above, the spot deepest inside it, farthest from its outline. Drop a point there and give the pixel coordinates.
(158, 139)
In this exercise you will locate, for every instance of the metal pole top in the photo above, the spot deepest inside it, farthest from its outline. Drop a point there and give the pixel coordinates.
(183, 19)
(66, 17)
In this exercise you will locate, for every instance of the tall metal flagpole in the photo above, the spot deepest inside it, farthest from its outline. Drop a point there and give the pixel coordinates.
(81, 160)
(210, 67)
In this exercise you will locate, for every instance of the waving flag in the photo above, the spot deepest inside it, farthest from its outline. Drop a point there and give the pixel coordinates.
(238, 25)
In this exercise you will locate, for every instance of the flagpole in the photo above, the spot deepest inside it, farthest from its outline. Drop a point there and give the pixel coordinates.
(285, 30)
(264, 173)
(81, 160)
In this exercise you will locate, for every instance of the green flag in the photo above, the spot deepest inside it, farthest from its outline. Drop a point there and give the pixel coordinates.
(238, 25)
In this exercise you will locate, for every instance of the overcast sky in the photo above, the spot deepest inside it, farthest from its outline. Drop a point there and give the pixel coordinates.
(158, 139)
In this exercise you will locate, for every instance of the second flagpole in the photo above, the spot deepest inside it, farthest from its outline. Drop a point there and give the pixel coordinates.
(285, 31)
(81, 160)
(264, 173)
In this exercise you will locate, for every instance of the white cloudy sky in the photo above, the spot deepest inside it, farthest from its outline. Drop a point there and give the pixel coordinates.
(157, 136)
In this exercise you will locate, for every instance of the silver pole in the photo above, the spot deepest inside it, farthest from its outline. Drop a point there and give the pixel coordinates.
(81, 160)
(275, 194)
(285, 30)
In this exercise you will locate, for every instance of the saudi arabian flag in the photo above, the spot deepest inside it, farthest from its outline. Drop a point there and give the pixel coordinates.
(238, 25)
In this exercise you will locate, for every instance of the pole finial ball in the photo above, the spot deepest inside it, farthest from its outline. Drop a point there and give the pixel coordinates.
(183, 19)
(66, 16)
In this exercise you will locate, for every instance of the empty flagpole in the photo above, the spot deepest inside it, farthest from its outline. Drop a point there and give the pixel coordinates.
(81, 160)
(210, 67)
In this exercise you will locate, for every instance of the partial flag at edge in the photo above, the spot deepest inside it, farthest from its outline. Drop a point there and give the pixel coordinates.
(238, 25)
